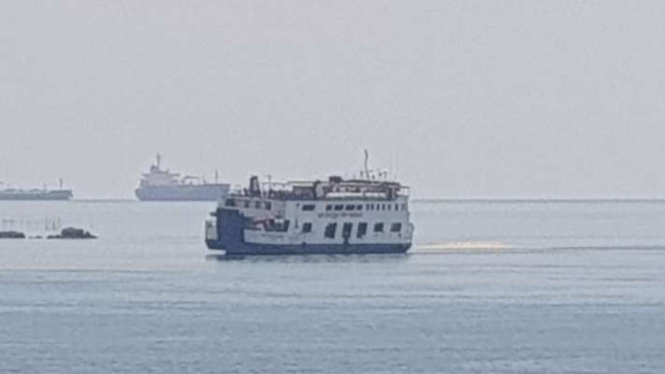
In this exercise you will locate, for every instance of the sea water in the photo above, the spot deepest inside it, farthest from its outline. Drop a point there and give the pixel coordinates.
(489, 287)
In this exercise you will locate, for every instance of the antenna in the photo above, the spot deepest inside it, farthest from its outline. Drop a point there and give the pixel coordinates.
(396, 175)
(60, 182)
(366, 164)
(159, 160)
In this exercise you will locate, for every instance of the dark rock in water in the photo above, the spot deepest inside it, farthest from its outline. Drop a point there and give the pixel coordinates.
(11, 235)
(72, 233)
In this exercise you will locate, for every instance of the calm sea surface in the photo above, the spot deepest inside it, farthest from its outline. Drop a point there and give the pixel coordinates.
(549, 287)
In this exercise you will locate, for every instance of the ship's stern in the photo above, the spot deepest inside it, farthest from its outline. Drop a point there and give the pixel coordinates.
(211, 234)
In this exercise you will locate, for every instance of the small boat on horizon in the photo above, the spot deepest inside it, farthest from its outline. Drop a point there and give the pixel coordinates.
(35, 194)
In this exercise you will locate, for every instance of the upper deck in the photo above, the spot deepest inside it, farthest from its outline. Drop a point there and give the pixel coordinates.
(335, 188)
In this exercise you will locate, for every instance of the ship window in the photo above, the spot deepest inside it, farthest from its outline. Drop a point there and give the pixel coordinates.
(359, 207)
(362, 229)
(396, 227)
(307, 227)
(383, 206)
(396, 206)
(268, 205)
(278, 226)
(378, 227)
(346, 230)
(328, 207)
(330, 230)
(308, 207)
(389, 207)
(403, 206)
(339, 207)
(366, 206)
(257, 205)
(350, 207)
(246, 203)
(230, 202)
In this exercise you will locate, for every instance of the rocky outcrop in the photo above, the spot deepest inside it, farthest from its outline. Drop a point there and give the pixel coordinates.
(11, 235)
(72, 233)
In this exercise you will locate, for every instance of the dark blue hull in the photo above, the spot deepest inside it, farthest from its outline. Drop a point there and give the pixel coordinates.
(230, 228)
(253, 249)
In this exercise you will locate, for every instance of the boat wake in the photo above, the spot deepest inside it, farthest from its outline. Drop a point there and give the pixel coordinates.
(466, 245)
(485, 246)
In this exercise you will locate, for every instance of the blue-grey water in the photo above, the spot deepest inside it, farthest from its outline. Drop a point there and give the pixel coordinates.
(539, 287)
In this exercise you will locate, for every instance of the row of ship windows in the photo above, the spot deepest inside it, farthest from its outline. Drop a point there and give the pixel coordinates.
(311, 207)
(339, 207)
(248, 204)
(347, 228)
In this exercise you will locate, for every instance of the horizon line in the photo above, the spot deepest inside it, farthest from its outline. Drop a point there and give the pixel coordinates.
(426, 200)
(540, 200)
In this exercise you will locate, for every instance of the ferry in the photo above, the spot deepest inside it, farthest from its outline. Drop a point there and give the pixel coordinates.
(336, 216)
(162, 185)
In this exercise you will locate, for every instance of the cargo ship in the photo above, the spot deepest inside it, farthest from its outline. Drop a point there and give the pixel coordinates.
(11, 194)
(163, 185)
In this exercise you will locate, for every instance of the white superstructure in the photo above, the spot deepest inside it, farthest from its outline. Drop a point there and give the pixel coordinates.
(163, 185)
(334, 216)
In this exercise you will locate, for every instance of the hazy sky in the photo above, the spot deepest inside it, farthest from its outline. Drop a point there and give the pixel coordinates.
(465, 98)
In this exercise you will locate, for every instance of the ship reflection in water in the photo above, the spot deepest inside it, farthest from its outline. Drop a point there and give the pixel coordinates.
(310, 258)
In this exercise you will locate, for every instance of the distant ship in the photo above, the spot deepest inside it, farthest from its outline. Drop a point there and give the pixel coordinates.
(162, 185)
(35, 194)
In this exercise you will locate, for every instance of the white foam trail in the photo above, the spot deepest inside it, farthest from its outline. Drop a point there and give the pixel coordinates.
(464, 246)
